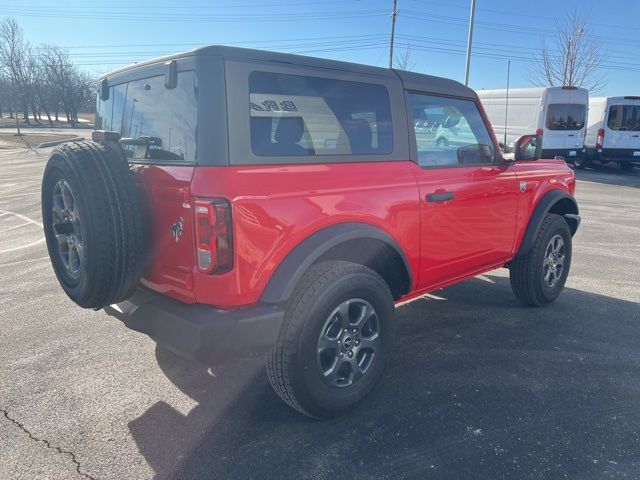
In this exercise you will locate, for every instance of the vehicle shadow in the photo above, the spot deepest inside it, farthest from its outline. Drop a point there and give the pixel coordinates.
(610, 175)
(480, 387)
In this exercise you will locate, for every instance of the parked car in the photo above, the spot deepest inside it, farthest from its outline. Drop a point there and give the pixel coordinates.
(455, 131)
(613, 134)
(236, 202)
(558, 114)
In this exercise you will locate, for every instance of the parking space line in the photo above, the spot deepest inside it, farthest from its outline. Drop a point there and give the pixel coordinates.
(26, 219)
(21, 217)
(24, 260)
(15, 227)
(23, 246)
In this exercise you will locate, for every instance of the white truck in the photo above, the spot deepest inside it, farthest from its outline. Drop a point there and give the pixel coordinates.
(558, 114)
(613, 132)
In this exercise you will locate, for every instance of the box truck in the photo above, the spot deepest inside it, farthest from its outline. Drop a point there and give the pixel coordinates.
(559, 114)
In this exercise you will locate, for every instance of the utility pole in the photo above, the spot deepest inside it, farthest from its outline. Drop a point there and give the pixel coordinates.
(506, 105)
(394, 14)
(469, 40)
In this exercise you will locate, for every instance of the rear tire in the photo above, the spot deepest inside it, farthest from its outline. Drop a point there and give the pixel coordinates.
(91, 214)
(442, 142)
(538, 277)
(324, 361)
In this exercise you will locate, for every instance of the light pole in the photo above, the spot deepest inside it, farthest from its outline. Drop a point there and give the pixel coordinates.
(469, 40)
(394, 14)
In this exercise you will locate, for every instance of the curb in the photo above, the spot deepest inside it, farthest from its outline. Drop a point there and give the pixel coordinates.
(53, 143)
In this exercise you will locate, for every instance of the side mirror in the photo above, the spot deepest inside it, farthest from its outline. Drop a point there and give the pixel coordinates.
(104, 90)
(528, 147)
(170, 74)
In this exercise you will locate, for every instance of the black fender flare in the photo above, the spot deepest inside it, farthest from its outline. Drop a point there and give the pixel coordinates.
(543, 207)
(295, 264)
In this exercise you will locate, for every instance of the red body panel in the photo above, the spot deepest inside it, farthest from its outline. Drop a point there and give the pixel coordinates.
(274, 208)
(541, 177)
(165, 193)
(474, 229)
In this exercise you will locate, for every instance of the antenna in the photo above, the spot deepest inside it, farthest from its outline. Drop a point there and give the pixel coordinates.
(506, 105)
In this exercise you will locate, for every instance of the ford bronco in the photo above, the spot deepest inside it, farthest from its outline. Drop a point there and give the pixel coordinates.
(237, 201)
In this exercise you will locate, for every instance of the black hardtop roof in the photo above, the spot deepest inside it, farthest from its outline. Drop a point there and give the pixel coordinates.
(411, 80)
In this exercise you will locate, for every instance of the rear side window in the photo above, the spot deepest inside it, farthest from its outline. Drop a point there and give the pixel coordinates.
(156, 124)
(295, 115)
(624, 118)
(566, 116)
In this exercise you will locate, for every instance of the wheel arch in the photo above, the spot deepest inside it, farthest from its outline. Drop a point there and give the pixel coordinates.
(554, 201)
(352, 241)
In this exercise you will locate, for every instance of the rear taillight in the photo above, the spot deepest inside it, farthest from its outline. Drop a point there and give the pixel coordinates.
(540, 132)
(600, 139)
(213, 235)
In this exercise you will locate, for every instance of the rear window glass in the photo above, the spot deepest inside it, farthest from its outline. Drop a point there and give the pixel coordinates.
(624, 117)
(566, 116)
(156, 124)
(304, 116)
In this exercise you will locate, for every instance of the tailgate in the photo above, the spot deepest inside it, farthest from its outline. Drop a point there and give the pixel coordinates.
(169, 228)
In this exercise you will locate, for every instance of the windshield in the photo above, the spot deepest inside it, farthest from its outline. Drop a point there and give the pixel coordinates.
(566, 116)
(624, 117)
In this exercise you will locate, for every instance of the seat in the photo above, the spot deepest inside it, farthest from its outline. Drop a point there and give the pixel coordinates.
(288, 133)
(261, 135)
(360, 135)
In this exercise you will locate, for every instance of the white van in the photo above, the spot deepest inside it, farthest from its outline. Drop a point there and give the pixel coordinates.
(559, 114)
(613, 134)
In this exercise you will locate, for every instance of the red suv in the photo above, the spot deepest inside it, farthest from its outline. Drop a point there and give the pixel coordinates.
(238, 201)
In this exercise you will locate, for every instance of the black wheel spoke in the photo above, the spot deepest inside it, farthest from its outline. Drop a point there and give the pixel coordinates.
(356, 371)
(363, 315)
(326, 343)
(369, 343)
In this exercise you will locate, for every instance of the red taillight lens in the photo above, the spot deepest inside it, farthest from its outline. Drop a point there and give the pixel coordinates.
(540, 132)
(213, 235)
(600, 139)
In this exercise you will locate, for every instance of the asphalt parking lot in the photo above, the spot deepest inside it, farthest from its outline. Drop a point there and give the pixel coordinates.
(479, 388)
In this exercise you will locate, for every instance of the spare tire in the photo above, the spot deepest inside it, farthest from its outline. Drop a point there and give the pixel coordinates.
(92, 223)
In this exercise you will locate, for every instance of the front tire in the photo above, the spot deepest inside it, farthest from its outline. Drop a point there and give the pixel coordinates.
(335, 340)
(580, 163)
(538, 277)
(626, 166)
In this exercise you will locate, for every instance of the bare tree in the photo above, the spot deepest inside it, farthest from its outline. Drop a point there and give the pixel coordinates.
(69, 89)
(13, 55)
(403, 61)
(573, 60)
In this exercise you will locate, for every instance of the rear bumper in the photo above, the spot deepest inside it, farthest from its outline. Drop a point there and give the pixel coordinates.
(200, 332)
(617, 155)
(563, 152)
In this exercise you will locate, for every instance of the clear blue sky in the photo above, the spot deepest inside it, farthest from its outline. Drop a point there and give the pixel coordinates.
(103, 35)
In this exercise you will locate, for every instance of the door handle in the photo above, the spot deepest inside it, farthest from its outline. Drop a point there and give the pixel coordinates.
(440, 197)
